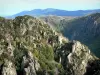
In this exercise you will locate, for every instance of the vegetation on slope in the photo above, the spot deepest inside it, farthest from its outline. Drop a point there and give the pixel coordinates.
(85, 29)
(29, 46)
(26, 33)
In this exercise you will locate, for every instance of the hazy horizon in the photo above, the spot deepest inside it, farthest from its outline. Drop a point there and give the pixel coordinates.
(10, 7)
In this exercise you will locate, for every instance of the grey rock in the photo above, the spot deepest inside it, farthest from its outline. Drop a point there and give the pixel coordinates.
(30, 65)
(8, 68)
(79, 57)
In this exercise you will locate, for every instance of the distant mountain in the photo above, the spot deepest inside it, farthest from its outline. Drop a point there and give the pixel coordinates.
(57, 12)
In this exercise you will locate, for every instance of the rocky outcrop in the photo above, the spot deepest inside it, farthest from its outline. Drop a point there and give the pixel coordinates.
(29, 46)
(79, 57)
(75, 58)
(8, 68)
(30, 65)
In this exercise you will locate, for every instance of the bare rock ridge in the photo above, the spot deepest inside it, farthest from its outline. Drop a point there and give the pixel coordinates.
(29, 46)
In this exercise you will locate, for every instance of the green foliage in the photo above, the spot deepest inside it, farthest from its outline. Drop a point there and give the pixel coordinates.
(1, 18)
(85, 29)
(45, 56)
(35, 53)
(95, 46)
(19, 52)
(51, 72)
(40, 40)
(47, 51)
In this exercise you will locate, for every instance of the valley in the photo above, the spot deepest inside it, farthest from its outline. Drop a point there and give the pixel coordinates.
(85, 29)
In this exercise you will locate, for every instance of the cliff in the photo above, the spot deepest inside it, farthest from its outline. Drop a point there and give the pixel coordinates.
(29, 46)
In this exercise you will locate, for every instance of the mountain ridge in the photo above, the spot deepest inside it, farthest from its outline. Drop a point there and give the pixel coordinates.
(85, 29)
(57, 12)
(29, 46)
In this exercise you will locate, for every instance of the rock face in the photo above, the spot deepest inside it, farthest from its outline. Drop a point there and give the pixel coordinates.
(9, 68)
(75, 58)
(30, 65)
(79, 57)
(29, 46)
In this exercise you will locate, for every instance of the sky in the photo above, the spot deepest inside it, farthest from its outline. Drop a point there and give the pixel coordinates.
(10, 7)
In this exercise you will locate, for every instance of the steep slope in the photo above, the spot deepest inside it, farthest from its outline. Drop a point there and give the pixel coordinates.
(29, 46)
(57, 12)
(55, 21)
(85, 29)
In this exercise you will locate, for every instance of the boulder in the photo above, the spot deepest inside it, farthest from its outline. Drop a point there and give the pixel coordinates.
(8, 68)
